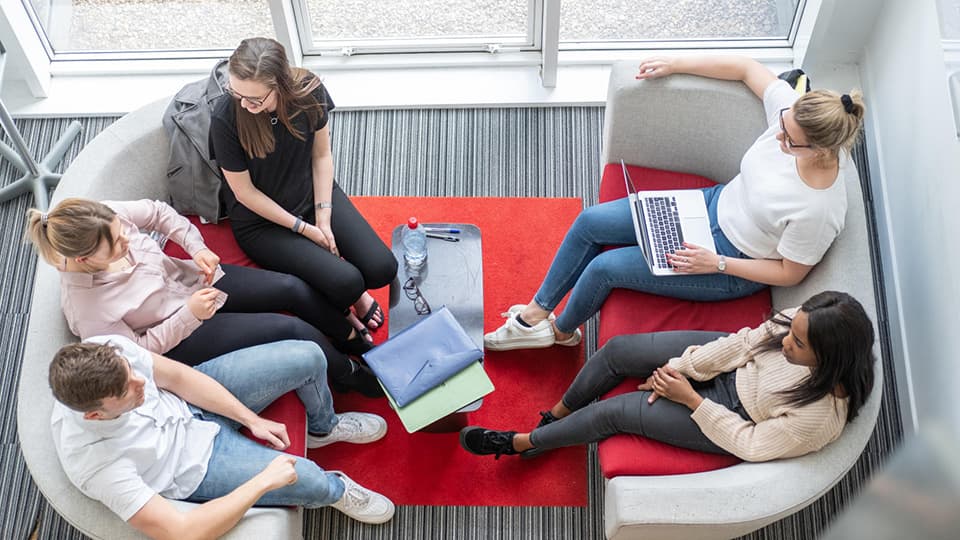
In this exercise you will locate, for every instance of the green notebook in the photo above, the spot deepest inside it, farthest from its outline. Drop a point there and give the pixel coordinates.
(467, 386)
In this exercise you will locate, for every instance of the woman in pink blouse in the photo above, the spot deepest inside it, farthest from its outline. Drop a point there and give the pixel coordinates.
(115, 279)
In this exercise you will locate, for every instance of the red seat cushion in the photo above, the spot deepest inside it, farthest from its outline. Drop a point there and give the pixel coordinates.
(288, 409)
(630, 312)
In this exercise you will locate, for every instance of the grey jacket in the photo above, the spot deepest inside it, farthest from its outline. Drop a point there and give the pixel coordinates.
(193, 178)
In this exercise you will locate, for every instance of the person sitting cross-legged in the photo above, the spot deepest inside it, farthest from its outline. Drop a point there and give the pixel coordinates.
(133, 428)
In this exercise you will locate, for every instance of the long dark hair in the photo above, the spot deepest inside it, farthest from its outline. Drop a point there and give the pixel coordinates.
(264, 60)
(841, 337)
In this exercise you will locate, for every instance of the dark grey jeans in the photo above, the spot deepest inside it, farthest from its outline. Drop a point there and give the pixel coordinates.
(636, 356)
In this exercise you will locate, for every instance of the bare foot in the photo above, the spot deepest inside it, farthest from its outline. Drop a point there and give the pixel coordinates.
(368, 311)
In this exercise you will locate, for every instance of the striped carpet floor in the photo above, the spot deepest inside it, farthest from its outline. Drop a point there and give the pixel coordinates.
(518, 152)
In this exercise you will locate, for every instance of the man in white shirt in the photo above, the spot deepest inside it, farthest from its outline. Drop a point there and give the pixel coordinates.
(133, 428)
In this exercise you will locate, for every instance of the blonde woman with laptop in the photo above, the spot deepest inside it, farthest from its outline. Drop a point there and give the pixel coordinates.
(771, 224)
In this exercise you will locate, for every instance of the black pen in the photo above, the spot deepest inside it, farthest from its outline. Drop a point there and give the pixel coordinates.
(446, 238)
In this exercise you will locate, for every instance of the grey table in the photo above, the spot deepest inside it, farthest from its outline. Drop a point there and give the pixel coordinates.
(452, 277)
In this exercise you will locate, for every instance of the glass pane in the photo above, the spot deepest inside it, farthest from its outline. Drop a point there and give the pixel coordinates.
(126, 25)
(355, 20)
(623, 20)
(949, 19)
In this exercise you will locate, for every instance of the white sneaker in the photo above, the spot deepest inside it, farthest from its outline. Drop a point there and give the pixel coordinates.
(513, 335)
(363, 504)
(353, 427)
(571, 341)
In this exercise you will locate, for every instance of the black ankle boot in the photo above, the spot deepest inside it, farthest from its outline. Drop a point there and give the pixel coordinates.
(361, 380)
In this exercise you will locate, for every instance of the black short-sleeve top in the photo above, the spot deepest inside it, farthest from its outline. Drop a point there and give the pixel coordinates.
(285, 175)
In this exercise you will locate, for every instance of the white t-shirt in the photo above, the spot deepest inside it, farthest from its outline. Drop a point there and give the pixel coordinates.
(767, 211)
(159, 447)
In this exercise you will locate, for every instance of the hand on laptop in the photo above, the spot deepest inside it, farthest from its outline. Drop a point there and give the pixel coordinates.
(693, 259)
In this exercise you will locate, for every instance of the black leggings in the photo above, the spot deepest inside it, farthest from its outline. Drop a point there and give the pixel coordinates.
(365, 262)
(667, 421)
(248, 318)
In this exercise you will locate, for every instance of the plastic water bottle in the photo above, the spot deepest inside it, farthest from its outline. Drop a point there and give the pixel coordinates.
(414, 245)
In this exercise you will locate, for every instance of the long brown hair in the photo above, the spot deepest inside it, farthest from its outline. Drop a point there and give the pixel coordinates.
(74, 228)
(264, 60)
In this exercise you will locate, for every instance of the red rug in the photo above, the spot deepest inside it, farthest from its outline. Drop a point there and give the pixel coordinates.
(520, 237)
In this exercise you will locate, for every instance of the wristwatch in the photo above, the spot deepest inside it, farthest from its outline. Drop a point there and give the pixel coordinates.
(322, 205)
(722, 264)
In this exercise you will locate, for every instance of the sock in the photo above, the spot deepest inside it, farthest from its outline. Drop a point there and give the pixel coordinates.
(523, 323)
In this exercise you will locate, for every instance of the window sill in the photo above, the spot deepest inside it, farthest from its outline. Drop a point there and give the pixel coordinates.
(384, 81)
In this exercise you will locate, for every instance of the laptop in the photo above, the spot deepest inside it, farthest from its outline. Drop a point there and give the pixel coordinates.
(664, 220)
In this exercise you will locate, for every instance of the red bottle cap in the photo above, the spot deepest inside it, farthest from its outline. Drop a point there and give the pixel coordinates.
(412, 223)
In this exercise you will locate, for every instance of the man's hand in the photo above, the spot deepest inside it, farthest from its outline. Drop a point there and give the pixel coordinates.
(203, 303)
(280, 472)
(274, 433)
(207, 261)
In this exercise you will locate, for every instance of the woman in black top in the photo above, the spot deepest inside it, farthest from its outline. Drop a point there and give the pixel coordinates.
(271, 138)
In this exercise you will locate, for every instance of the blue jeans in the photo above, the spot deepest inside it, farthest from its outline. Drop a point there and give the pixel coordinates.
(257, 376)
(582, 268)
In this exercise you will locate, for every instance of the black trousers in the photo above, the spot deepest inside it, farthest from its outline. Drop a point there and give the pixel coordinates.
(248, 318)
(365, 262)
(636, 355)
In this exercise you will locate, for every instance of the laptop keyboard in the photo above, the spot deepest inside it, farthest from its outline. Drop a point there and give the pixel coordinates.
(663, 219)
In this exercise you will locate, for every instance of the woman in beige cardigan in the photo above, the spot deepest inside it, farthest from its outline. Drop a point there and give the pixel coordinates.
(783, 389)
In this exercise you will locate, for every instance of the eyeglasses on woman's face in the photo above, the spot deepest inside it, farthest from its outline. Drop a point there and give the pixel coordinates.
(786, 136)
(412, 291)
(254, 101)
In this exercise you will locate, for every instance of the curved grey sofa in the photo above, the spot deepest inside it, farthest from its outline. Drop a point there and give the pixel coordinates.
(703, 126)
(128, 160)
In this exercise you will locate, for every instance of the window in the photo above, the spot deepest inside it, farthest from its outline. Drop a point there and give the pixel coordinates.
(149, 25)
(415, 25)
(620, 24)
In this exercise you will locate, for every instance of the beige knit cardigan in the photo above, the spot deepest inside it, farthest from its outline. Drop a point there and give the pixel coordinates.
(778, 429)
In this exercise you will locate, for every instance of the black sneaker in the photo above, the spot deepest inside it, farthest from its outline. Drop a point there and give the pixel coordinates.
(483, 442)
(546, 418)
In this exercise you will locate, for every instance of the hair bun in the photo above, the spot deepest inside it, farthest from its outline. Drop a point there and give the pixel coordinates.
(847, 103)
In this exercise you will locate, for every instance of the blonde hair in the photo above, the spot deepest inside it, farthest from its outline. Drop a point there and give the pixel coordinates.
(74, 228)
(264, 60)
(830, 121)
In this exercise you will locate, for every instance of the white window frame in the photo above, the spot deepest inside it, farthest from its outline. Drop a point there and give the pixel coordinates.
(547, 55)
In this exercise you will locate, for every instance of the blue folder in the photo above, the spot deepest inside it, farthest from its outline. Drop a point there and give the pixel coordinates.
(422, 356)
